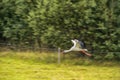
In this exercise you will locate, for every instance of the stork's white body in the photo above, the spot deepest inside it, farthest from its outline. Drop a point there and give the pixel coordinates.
(77, 47)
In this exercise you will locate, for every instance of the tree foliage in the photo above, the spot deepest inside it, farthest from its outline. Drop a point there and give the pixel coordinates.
(53, 23)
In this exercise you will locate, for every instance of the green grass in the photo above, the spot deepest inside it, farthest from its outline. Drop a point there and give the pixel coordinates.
(29, 66)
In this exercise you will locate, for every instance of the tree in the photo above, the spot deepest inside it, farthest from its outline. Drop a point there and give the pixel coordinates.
(53, 23)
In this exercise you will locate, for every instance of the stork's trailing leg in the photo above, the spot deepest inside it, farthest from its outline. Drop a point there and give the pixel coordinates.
(84, 52)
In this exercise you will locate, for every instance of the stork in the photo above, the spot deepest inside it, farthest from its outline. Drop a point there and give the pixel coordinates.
(77, 47)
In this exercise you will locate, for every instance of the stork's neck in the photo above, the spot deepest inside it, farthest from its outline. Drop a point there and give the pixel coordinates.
(65, 51)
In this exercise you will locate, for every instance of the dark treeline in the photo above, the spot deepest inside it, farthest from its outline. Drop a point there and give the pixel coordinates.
(53, 23)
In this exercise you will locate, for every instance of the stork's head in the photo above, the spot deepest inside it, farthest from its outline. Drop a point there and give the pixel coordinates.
(65, 51)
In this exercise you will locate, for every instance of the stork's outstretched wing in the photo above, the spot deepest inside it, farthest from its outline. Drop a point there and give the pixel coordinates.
(76, 44)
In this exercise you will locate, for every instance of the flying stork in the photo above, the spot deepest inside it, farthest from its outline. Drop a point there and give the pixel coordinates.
(77, 47)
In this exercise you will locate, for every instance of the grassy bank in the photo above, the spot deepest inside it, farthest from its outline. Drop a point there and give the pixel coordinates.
(42, 66)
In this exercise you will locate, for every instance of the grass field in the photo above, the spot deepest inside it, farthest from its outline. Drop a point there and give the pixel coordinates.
(29, 66)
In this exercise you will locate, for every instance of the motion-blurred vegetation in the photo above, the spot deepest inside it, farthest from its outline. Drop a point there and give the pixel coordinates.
(53, 23)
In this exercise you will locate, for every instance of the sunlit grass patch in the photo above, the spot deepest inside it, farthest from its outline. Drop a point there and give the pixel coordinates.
(40, 66)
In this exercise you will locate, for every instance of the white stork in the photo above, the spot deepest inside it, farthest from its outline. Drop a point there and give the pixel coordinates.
(77, 47)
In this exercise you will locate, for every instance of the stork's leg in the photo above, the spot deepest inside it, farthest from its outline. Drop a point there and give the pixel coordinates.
(84, 52)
